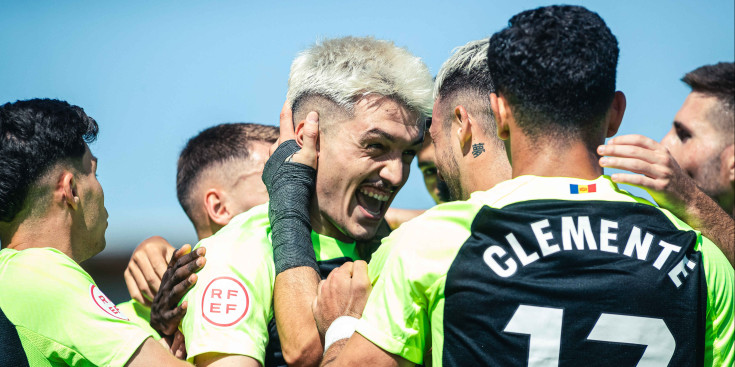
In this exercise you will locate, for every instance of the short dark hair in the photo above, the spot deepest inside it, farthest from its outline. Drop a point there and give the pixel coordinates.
(556, 66)
(717, 80)
(214, 145)
(35, 135)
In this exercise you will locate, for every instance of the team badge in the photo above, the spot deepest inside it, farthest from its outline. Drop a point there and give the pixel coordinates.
(105, 304)
(225, 301)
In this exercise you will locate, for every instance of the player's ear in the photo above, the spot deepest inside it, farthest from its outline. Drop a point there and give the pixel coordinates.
(66, 190)
(216, 207)
(501, 111)
(728, 158)
(464, 132)
(615, 114)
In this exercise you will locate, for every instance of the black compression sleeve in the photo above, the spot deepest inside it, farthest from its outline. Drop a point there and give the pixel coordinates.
(290, 187)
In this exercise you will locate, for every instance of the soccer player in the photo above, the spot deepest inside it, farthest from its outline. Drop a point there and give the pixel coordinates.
(370, 97)
(556, 266)
(52, 217)
(702, 138)
(218, 177)
(464, 82)
(693, 169)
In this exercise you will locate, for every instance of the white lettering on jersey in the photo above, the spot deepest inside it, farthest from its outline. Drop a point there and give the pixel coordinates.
(504, 265)
(105, 304)
(580, 234)
(225, 301)
(510, 264)
(544, 237)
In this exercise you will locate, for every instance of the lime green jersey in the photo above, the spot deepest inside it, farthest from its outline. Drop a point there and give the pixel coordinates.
(139, 314)
(230, 307)
(554, 270)
(61, 314)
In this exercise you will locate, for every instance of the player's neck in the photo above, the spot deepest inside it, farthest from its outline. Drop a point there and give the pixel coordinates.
(321, 224)
(554, 159)
(47, 231)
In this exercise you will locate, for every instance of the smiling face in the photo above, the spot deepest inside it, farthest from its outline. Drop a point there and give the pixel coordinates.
(698, 147)
(363, 162)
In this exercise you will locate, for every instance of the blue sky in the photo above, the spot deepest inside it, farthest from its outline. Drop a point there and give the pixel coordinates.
(153, 74)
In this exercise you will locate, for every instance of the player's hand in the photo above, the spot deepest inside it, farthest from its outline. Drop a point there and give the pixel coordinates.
(343, 293)
(146, 267)
(175, 344)
(177, 280)
(660, 175)
(308, 153)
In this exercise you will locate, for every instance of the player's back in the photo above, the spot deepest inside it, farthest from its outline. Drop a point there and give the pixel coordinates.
(559, 282)
(553, 272)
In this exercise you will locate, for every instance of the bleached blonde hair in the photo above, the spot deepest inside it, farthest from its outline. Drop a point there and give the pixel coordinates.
(466, 68)
(348, 68)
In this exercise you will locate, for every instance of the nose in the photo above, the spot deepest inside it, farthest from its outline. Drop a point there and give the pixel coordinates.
(669, 140)
(395, 171)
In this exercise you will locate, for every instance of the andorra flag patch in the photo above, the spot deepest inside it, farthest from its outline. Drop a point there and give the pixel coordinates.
(582, 189)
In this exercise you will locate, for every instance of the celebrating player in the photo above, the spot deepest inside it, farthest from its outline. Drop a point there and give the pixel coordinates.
(554, 266)
(52, 217)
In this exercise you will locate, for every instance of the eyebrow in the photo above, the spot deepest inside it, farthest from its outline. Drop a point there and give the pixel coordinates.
(380, 133)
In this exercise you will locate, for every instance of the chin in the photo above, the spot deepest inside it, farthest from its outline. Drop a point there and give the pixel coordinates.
(363, 233)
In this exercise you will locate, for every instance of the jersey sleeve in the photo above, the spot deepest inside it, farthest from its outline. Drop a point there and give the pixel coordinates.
(719, 350)
(139, 314)
(64, 313)
(408, 272)
(231, 304)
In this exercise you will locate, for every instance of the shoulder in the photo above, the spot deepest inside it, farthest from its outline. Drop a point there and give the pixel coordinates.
(247, 233)
(427, 241)
(45, 271)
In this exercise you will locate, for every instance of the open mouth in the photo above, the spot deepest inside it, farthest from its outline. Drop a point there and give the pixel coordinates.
(372, 200)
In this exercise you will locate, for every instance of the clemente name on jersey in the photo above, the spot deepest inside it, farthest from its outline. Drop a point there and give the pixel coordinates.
(577, 233)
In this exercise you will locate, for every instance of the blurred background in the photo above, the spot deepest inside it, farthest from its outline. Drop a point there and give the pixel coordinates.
(153, 74)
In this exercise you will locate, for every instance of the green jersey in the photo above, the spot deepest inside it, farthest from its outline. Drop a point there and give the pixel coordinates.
(138, 314)
(554, 271)
(60, 313)
(231, 305)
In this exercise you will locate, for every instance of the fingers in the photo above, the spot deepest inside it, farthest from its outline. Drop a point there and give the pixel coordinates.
(308, 153)
(636, 165)
(635, 139)
(150, 274)
(630, 151)
(141, 283)
(639, 181)
(178, 346)
(173, 318)
(180, 289)
(180, 252)
(190, 257)
(133, 288)
(360, 273)
(286, 123)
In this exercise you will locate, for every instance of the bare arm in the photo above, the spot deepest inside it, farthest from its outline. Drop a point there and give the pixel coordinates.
(358, 351)
(672, 189)
(151, 353)
(296, 288)
(345, 293)
(294, 291)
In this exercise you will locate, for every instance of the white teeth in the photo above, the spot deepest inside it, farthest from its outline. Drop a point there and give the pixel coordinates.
(375, 196)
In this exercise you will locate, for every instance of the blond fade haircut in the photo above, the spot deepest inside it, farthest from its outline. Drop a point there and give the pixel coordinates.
(465, 79)
(343, 70)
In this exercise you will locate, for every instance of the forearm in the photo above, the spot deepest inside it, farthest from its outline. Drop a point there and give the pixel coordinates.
(330, 355)
(294, 292)
(704, 215)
